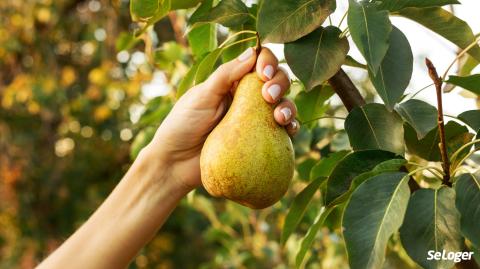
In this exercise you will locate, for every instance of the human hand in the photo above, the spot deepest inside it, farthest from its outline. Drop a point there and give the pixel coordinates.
(180, 138)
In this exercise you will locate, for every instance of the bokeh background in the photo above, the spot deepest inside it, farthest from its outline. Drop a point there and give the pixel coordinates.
(76, 99)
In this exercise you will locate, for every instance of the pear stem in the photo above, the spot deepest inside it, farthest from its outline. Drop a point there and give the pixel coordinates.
(258, 49)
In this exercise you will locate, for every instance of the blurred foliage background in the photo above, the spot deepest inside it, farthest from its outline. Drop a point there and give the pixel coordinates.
(77, 92)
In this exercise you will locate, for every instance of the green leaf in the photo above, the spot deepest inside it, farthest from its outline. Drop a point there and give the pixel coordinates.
(125, 41)
(468, 204)
(187, 82)
(202, 39)
(470, 83)
(370, 29)
(288, 20)
(472, 118)
(234, 51)
(199, 72)
(207, 66)
(201, 11)
(476, 254)
(156, 110)
(445, 24)
(393, 165)
(351, 166)
(419, 114)
(141, 140)
(395, 71)
(302, 142)
(162, 11)
(298, 208)
(325, 166)
(311, 234)
(372, 126)
(389, 165)
(394, 5)
(228, 13)
(427, 147)
(304, 168)
(468, 65)
(349, 61)
(144, 9)
(455, 143)
(317, 56)
(312, 105)
(374, 212)
(431, 223)
(168, 55)
(147, 13)
(184, 4)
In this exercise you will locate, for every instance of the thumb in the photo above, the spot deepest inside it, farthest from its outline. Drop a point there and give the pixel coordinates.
(222, 80)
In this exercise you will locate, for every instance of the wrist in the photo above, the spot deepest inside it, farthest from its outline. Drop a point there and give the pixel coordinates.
(157, 170)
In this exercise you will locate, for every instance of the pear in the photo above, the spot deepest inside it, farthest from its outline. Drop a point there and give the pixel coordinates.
(248, 158)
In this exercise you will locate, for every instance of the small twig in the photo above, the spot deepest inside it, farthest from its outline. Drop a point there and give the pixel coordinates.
(432, 72)
(419, 91)
(451, 116)
(457, 166)
(237, 42)
(429, 167)
(345, 32)
(237, 34)
(343, 18)
(323, 117)
(456, 153)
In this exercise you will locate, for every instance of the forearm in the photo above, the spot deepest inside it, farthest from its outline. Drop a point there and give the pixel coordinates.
(125, 222)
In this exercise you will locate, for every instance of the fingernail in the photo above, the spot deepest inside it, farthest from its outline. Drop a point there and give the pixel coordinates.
(287, 113)
(268, 71)
(245, 55)
(294, 125)
(274, 91)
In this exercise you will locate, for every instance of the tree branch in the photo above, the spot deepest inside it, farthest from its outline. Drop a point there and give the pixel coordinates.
(432, 72)
(346, 90)
(177, 26)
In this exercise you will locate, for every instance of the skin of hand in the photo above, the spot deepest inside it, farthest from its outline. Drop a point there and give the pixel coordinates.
(166, 169)
(181, 136)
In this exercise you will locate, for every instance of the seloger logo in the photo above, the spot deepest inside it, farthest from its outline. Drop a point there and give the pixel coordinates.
(448, 256)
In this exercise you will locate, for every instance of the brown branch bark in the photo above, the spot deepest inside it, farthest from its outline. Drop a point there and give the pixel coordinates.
(346, 90)
(177, 26)
(432, 72)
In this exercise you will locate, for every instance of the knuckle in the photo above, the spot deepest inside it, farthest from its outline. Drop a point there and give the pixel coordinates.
(284, 73)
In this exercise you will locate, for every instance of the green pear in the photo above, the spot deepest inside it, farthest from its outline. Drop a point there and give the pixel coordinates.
(248, 158)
